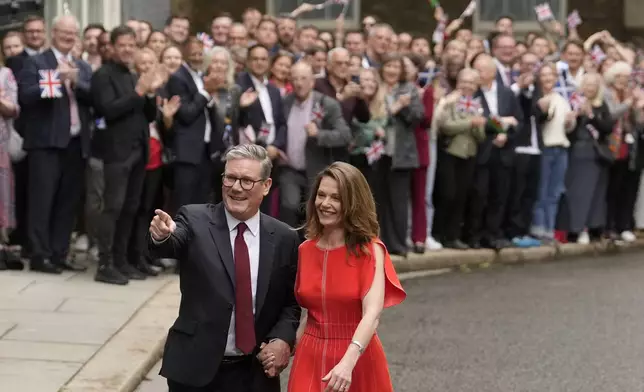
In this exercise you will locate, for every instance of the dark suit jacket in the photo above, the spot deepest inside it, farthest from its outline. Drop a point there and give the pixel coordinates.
(190, 120)
(127, 114)
(46, 121)
(333, 138)
(254, 115)
(197, 340)
(508, 106)
(528, 104)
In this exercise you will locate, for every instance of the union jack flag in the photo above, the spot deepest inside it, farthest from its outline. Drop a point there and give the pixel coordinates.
(597, 54)
(50, 84)
(317, 112)
(471, 7)
(208, 43)
(264, 131)
(574, 19)
(468, 105)
(375, 151)
(576, 101)
(544, 12)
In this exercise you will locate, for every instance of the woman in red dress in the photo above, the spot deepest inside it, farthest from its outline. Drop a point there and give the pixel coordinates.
(345, 278)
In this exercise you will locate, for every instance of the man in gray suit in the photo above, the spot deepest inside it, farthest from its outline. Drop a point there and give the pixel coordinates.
(316, 129)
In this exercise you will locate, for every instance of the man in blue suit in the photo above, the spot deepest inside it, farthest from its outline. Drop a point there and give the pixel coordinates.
(57, 138)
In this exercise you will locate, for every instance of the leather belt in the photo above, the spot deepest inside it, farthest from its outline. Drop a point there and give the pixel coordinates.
(231, 360)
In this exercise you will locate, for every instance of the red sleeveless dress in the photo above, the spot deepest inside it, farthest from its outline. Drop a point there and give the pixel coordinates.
(330, 285)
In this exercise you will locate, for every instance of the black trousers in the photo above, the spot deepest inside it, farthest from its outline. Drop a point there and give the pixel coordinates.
(487, 203)
(18, 235)
(122, 196)
(294, 190)
(361, 163)
(94, 202)
(393, 193)
(192, 183)
(523, 194)
(244, 376)
(454, 177)
(623, 185)
(55, 186)
(151, 199)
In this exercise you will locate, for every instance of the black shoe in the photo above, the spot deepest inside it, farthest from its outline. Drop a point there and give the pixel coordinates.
(157, 264)
(13, 261)
(109, 274)
(457, 244)
(46, 266)
(146, 268)
(130, 272)
(501, 243)
(419, 248)
(3, 260)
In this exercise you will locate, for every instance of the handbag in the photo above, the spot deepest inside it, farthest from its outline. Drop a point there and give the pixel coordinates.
(604, 153)
(16, 153)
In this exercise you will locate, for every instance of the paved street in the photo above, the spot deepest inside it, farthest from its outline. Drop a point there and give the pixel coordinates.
(561, 327)
(51, 326)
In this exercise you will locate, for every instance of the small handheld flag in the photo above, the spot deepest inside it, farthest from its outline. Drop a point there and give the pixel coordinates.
(544, 13)
(439, 34)
(468, 105)
(317, 112)
(576, 101)
(50, 84)
(208, 43)
(328, 3)
(597, 54)
(574, 20)
(496, 123)
(434, 3)
(375, 151)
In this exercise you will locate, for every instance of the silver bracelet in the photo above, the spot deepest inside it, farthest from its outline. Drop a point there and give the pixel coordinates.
(359, 345)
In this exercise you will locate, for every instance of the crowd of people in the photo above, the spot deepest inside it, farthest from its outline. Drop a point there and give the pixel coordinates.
(465, 141)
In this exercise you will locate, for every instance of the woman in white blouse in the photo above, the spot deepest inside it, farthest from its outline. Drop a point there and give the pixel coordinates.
(558, 119)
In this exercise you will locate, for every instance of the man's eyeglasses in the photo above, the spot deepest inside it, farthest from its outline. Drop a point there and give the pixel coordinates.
(246, 183)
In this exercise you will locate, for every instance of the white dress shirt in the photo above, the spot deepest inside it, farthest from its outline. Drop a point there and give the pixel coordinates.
(503, 70)
(251, 236)
(196, 76)
(75, 128)
(491, 98)
(267, 107)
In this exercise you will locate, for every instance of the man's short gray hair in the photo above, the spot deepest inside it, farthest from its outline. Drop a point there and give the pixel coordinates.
(253, 152)
(333, 51)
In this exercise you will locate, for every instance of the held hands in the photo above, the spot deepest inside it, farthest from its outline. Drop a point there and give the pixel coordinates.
(274, 357)
(544, 103)
(525, 80)
(478, 121)
(162, 226)
(509, 121)
(351, 90)
(500, 140)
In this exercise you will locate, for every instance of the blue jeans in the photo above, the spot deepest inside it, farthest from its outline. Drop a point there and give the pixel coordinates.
(431, 177)
(554, 163)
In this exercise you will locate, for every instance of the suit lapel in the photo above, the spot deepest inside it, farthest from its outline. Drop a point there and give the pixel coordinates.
(51, 59)
(500, 99)
(486, 108)
(288, 105)
(265, 270)
(188, 78)
(221, 235)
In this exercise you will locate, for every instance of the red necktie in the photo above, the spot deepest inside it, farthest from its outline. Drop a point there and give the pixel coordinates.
(244, 319)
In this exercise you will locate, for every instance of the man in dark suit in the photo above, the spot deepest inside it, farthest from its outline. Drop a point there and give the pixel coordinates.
(495, 158)
(261, 109)
(261, 105)
(194, 130)
(57, 137)
(127, 103)
(238, 266)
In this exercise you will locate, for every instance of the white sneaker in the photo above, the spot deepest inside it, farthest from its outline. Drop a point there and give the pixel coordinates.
(432, 244)
(583, 238)
(82, 243)
(628, 236)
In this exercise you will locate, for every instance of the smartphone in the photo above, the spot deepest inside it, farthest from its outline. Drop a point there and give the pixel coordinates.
(423, 79)
(355, 79)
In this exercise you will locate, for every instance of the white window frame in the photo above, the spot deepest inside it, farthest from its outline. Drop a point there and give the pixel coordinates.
(111, 12)
(521, 27)
(324, 24)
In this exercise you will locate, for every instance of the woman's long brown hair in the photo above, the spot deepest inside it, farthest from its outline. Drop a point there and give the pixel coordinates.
(359, 218)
